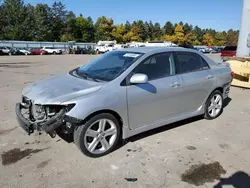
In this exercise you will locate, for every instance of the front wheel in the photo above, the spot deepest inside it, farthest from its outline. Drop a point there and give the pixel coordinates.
(214, 105)
(98, 136)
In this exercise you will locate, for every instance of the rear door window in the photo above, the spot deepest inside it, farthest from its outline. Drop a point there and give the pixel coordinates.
(190, 62)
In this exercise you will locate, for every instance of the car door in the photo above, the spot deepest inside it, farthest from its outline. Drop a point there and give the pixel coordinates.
(197, 80)
(158, 99)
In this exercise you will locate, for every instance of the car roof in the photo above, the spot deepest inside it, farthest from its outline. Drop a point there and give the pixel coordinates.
(157, 49)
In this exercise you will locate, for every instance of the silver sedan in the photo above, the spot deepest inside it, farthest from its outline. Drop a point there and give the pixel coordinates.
(123, 93)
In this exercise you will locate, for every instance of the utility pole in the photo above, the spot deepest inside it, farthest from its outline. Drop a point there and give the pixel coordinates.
(243, 49)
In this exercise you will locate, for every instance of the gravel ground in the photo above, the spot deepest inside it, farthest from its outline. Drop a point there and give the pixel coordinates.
(194, 152)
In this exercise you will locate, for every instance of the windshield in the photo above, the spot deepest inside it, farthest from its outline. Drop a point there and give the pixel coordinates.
(109, 66)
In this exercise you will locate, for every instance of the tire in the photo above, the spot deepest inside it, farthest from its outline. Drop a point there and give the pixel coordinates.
(217, 106)
(81, 139)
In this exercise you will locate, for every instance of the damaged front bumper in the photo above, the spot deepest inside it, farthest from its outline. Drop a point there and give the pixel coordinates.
(49, 126)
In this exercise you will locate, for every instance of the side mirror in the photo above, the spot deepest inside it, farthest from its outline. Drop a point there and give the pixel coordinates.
(139, 79)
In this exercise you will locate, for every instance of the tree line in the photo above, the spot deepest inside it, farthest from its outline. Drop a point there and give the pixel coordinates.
(20, 21)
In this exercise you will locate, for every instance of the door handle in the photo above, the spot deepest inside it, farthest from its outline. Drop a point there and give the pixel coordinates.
(175, 84)
(209, 77)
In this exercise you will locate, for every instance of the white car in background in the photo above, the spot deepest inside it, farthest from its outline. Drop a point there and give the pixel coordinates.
(25, 51)
(104, 48)
(6, 50)
(51, 50)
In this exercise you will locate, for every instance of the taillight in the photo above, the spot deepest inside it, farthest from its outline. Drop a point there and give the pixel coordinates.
(233, 74)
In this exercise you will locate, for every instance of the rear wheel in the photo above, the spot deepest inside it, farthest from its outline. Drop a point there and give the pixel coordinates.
(214, 105)
(98, 136)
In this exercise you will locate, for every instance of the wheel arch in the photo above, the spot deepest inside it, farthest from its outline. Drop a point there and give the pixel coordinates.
(112, 112)
(206, 99)
(219, 89)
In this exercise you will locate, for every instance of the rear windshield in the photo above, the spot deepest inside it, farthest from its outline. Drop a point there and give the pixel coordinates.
(232, 48)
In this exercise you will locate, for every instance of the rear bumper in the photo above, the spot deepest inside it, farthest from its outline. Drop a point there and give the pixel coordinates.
(226, 90)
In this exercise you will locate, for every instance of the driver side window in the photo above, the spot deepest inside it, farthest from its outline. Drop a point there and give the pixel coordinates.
(157, 66)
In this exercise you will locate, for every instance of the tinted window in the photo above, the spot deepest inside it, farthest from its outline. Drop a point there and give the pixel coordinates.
(189, 62)
(157, 66)
(230, 48)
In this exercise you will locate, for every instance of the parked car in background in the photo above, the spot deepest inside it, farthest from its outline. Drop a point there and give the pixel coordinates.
(38, 51)
(51, 50)
(229, 51)
(15, 51)
(5, 50)
(105, 48)
(1, 52)
(25, 51)
(204, 50)
(123, 93)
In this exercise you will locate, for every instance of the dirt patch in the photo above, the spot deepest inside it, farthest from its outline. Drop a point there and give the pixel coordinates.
(14, 155)
(131, 179)
(13, 66)
(203, 173)
(43, 164)
(224, 146)
(191, 148)
(17, 63)
(7, 131)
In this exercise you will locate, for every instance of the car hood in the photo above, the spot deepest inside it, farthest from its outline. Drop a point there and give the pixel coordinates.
(60, 88)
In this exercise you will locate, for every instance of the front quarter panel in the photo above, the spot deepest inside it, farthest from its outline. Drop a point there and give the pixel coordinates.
(110, 97)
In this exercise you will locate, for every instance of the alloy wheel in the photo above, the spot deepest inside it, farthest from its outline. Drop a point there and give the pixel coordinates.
(215, 105)
(100, 136)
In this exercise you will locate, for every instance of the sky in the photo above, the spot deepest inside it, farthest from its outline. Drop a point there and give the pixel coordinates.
(216, 14)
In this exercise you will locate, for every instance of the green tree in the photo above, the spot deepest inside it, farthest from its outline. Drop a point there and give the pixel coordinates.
(42, 26)
(127, 27)
(103, 27)
(69, 27)
(59, 14)
(151, 30)
(208, 39)
(220, 38)
(232, 37)
(179, 35)
(133, 34)
(29, 23)
(168, 28)
(157, 32)
(84, 29)
(189, 38)
(141, 26)
(2, 22)
(187, 28)
(148, 32)
(180, 23)
(13, 18)
(118, 33)
(198, 32)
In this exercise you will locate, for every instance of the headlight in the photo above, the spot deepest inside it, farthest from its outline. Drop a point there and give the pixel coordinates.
(38, 112)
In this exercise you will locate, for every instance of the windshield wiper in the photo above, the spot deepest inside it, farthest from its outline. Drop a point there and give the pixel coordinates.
(85, 74)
